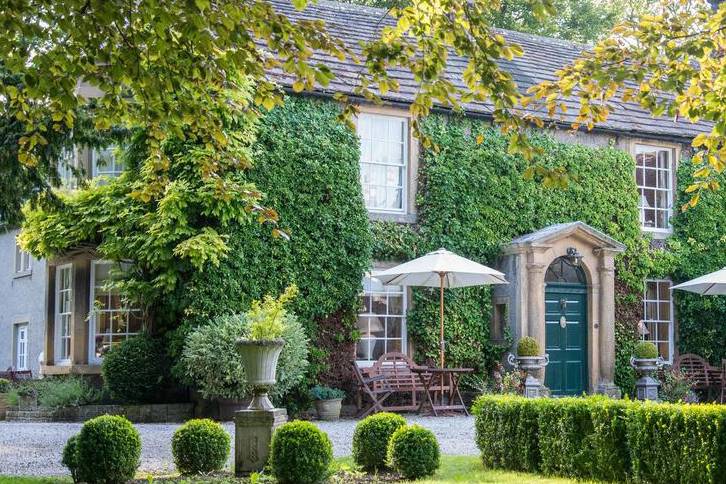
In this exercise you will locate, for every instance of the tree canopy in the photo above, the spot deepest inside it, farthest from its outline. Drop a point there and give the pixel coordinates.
(672, 63)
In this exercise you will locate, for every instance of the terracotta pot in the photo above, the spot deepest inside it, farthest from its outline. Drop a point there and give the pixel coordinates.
(329, 409)
(259, 359)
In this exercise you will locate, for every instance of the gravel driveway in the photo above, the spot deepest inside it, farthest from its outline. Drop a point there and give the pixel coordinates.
(35, 448)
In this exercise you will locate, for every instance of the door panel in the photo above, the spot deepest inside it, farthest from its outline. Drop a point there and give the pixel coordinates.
(567, 346)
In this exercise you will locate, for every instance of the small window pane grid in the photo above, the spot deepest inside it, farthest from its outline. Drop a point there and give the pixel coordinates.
(381, 320)
(21, 347)
(22, 260)
(384, 155)
(64, 310)
(654, 178)
(106, 163)
(67, 169)
(113, 321)
(658, 316)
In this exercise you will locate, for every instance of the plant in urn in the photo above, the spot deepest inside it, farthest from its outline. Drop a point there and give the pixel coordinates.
(529, 359)
(261, 349)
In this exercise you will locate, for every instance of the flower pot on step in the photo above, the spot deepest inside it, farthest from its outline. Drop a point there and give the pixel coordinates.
(329, 409)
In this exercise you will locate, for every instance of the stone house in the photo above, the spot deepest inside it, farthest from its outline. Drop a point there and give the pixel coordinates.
(56, 317)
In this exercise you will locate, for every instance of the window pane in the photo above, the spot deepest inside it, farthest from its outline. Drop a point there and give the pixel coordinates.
(377, 328)
(393, 328)
(383, 160)
(395, 304)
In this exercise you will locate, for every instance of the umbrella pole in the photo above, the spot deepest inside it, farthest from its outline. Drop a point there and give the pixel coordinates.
(441, 316)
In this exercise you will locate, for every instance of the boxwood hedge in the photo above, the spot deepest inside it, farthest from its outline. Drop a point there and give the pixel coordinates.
(604, 439)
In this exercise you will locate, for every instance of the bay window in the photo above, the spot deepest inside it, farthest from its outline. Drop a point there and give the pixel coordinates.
(112, 318)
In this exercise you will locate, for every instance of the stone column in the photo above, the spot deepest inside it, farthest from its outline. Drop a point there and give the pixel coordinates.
(253, 431)
(607, 324)
(536, 307)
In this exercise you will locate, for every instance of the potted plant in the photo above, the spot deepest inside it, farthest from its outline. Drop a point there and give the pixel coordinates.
(261, 349)
(27, 396)
(4, 389)
(328, 401)
(646, 361)
(529, 359)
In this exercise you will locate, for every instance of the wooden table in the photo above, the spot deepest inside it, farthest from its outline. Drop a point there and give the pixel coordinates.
(429, 376)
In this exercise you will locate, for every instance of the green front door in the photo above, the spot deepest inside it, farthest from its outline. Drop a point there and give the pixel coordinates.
(566, 338)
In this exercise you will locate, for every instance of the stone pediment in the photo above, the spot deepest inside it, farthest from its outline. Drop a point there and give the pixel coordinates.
(549, 235)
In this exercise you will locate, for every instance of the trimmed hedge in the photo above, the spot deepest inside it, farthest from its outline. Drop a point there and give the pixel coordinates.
(300, 453)
(108, 450)
(135, 370)
(413, 451)
(200, 446)
(604, 439)
(370, 439)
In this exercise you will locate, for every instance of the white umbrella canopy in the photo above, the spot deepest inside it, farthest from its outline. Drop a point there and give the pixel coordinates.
(441, 269)
(713, 284)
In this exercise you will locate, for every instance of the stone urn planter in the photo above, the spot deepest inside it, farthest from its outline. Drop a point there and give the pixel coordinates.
(259, 358)
(530, 360)
(646, 362)
(329, 409)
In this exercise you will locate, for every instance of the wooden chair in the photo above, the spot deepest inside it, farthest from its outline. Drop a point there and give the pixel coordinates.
(694, 367)
(372, 386)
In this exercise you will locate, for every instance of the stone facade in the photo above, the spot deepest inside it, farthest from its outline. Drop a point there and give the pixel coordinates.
(22, 302)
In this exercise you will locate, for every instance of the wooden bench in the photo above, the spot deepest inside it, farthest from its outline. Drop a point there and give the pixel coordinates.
(705, 377)
(397, 380)
(16, 375)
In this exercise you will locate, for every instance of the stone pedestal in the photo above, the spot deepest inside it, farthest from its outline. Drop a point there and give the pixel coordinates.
(646, 388)
(532, 387)
(253, 431)
(609, 389)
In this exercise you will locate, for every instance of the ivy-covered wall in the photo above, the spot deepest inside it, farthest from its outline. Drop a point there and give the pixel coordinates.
(306, 162)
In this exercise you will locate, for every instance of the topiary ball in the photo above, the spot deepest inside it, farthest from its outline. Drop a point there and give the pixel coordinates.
(135, 370)
(645, 350)
(300, 453)
(370, 439)
(528, 346)
(200, 445)
(108, 450)
(70, 457)
(413, 452)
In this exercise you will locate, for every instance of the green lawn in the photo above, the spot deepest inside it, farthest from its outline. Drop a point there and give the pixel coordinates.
(453, 469)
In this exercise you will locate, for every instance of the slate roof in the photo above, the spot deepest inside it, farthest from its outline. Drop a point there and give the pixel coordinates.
(542, 57)
(548, 233)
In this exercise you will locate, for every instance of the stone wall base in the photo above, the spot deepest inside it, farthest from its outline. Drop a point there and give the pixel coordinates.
(149, 413)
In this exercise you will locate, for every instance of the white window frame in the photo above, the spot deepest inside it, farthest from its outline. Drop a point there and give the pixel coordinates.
(21, 347)
(671, 321)
(23, 261)
(404, 326)
(105, 171)
(404, 166)
(69, 180)
(59, 336)
(92, 358)
(641, 148)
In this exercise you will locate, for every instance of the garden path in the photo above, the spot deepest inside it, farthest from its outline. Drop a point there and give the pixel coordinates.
(35, 448)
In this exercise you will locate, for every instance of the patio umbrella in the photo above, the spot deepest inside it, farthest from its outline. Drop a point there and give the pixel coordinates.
(440, 269)
(713, 284)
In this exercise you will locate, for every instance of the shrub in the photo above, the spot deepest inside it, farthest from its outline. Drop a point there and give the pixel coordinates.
(677, 387)
(4, 385)
(599, 438)
(135, 370)
(68, 391)
(507, 431)
(70, 457)
(528, 346)
(645, 350)
(200, 445)
(673, 443)
(267, 316)
(326, 393)
(108, 448)
(211, 363)
(413, 452)
(300, 453)
(370, 439)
